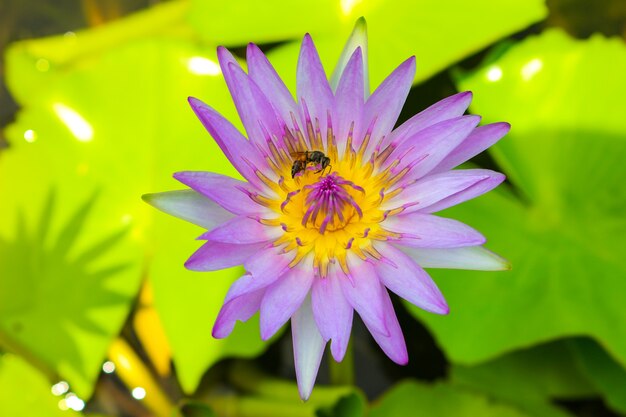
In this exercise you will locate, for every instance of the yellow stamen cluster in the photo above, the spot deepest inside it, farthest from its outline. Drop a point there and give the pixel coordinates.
(329, 215)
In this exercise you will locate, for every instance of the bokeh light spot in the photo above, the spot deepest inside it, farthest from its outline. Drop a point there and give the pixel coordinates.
(79, 127)
(108, 367)
(42, 65)
(530, 69)
(494, 74)
(203, 66)
(60, 388)
(30, 136)
(139, 393)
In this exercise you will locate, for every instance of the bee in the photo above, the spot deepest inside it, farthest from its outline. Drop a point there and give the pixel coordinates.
(301, 159)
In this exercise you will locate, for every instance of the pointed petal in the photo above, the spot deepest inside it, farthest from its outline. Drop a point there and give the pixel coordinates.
(213, 256)
(312, 84)
(283, 298)
(420, 230)
(469, 257)
(349, 101)
(448, 108)
(386, 102)
(393, 343)
(263, 268)
(436, 192)
(481, 187)
(333, 313)
(308, 348)
(226, 59)
(241, 308)
(232, 143)
(252, 105)
(190, 206)
(357, 39)
(265, 76)
(225, 191)
(256, 112)
(364, 293)
(426, 149)
(479, 140)
(407, 279)
(242, 230)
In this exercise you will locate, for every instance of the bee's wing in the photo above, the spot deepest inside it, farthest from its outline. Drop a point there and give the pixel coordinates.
(297, 154)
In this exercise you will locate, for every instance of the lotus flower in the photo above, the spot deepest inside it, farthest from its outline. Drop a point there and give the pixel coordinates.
(337, 206)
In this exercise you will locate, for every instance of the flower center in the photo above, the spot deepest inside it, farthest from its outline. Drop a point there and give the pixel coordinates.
(327, 216)
(330, 205)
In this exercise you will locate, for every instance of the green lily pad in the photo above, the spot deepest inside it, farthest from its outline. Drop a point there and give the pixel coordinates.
(563, 226)
(411, 398)
(530, 378)
(602, 370)
(350, 405)
(24, 392)
(107, 116)
(59, 305)
(437, 33)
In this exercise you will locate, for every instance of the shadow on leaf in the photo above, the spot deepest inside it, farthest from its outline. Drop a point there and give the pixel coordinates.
(51, 296)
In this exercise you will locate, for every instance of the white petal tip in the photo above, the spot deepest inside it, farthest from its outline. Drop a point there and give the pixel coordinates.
(306, 387)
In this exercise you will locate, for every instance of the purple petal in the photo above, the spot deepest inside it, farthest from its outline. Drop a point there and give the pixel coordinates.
(232, 143)
(481, 187)
(225, 191)
(256, 112)
(243, 230)
(409, 280)
(190, 206)
(270, 261)
(241, 308)
(427, 231)
(469, 257)
(252, 105)
(426, 149)
(226, 59)
(387, 101)
(312, 84)
(436, 192)
(479, 140)
(270, 83)
(333, 313)
(393, 343)
(364, 293)
(308, 348)
(283, 298)
(448, 108)
(263, 268)
(357, 39)
(349, 101)
(213, 256)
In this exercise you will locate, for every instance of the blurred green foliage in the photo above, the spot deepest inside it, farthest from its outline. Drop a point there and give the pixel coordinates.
(103, 120)
(25, 392)
(440, 400)
(561, 223)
